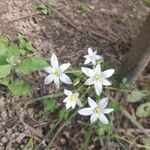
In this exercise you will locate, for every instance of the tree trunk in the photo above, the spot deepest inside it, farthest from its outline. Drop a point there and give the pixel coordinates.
(138, 57)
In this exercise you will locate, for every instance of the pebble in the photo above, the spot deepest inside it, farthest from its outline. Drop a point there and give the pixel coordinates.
(4, 113)
(4, 140)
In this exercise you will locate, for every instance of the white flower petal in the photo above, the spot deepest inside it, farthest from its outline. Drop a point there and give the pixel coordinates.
(76, 95)
(57, 82)
(65, 79)
(103, 119)
(94, 61)
(86, 111)
(89, 81)
(73, 105)
(92, 103)
(98, 88)
(93, 118)
(65, 100)
(106, 82)
(98, 69)
(67, 92)
(79, 103)
(108, 110)
(48, 79)
(90, 51)
(68, 105)
(89, 72)
(54, 61)
(64, 67)
(48, 69)
(103, 103)
(99, 57)
(87, 61)
(86, 56)
(108, 73)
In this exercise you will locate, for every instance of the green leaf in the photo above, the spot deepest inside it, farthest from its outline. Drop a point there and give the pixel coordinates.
(115, 105)
(64, 114)
(4, 70)
(136, 96)
(13, 50)
(3, 53)
(19, 88)
(5, 81)
(29, 46)
(29, 65)
(50, 105)
(103, 129)
(143, 110)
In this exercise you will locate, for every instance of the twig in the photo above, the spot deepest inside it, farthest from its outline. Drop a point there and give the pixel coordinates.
(132, 143)
(25, 17)
(128, 116)
(33, 100)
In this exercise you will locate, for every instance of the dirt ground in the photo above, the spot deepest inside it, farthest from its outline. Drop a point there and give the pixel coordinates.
(108, 26)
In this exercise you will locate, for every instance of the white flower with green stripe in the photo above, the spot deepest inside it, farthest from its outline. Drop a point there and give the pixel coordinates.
(97, 77)
(72, 99)
(92, 57)
(97, 111)
(56, 72)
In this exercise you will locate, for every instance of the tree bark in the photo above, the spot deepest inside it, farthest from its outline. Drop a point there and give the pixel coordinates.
(138, 57)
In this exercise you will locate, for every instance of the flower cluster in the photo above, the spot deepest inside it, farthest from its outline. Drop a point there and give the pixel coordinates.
(96, 78)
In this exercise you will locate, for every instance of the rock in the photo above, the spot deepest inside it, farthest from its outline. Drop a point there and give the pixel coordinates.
(4, 140)
(4, 113)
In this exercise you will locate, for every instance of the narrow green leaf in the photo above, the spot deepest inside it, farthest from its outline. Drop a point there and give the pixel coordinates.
(19, 88)
(29, 46)
(143, 110)
(4, 70)
(146, 142)
(136, 96)
(29, 65)
(3, 53)
(49, 105)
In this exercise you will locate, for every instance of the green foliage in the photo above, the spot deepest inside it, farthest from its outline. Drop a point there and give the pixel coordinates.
(31, 64)
(147, 2)
(4, 70)
(25, 44)
(64, 114)
(49, 106)
(19, 88)
(83, 8)
(115, 105)
(43, 8)
(76, 81)
(136, 96)
(143, 110)
(103, 129)
(124, 84)
(3, 52)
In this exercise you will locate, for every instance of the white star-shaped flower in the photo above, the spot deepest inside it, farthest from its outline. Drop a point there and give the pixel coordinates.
(97, 77)
(56, 72)
(92, 57)
(72, 99)
(96, 111)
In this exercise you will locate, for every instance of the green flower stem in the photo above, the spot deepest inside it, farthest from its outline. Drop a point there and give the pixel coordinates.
(73, 71)
(87, 138)
(116, 89)
(65, 123)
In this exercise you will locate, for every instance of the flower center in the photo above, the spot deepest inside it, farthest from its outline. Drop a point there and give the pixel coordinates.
(92, 56)
(72, 99)
(56, 72)
(97, 110)
(97, 77)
